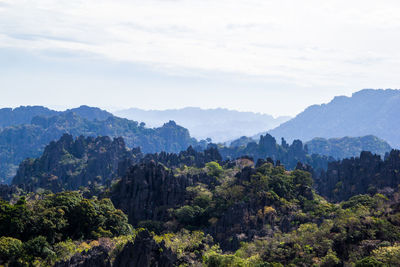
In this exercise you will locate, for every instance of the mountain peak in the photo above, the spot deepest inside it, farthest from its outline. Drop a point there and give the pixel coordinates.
(366, 112)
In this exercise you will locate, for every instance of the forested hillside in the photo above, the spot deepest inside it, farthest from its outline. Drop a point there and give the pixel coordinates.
(28, 140)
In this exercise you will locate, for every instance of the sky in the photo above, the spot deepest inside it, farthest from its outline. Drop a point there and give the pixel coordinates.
(275, 57)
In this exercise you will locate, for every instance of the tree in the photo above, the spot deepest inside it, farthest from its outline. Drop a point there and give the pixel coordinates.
(214, 169)
(10, 248)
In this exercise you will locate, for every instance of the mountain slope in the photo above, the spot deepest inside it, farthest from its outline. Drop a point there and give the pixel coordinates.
(23, 115)
(218, 124)
(367, 112)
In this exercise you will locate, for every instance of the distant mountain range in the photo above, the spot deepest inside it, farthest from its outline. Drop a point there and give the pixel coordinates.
(367, 112)
(25, 131)
(219, 124)
(25, 114)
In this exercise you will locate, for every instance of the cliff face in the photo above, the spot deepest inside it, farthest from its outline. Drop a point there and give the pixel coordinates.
(361, 175)
(188, 157)
(145, 252)
(96, 256)
(288, 154)
(148, 190)
(70, 163)
(7, 191)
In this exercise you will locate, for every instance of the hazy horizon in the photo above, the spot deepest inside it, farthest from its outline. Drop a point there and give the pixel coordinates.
(116, 109)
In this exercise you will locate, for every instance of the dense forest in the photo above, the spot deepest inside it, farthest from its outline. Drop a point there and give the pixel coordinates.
(197, 208)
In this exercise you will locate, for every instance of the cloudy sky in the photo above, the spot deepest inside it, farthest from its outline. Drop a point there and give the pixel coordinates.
(274, 57)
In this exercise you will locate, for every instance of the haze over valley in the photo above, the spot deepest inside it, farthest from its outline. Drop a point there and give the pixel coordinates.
(221, 125)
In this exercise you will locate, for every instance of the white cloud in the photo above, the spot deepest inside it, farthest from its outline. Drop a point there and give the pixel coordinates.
(308, 43)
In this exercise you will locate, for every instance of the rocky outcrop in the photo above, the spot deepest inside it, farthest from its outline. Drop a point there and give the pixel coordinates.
(7, 192)
(97, 256)
(145, 252)
(70, 163)
(361, 175)
(189, 157)
(148, 190)
(287, 155)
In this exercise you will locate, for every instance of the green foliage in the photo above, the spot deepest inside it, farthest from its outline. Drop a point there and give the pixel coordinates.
(364, 200)
(38, 247)
(388, 255)
(65, 249)
(257, 216)
(330, 259)
(10, 248)
(58, 217)
(188, 215)
(214, 169)
(200, 195)
(186, 244)
(369, 262)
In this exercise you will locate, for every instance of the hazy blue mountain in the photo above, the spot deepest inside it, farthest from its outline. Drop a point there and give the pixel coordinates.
(218, 124)
(346, 147)
(367, 112)
(90, 113)
(22, 115)
(25, 114)
(22, 141)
